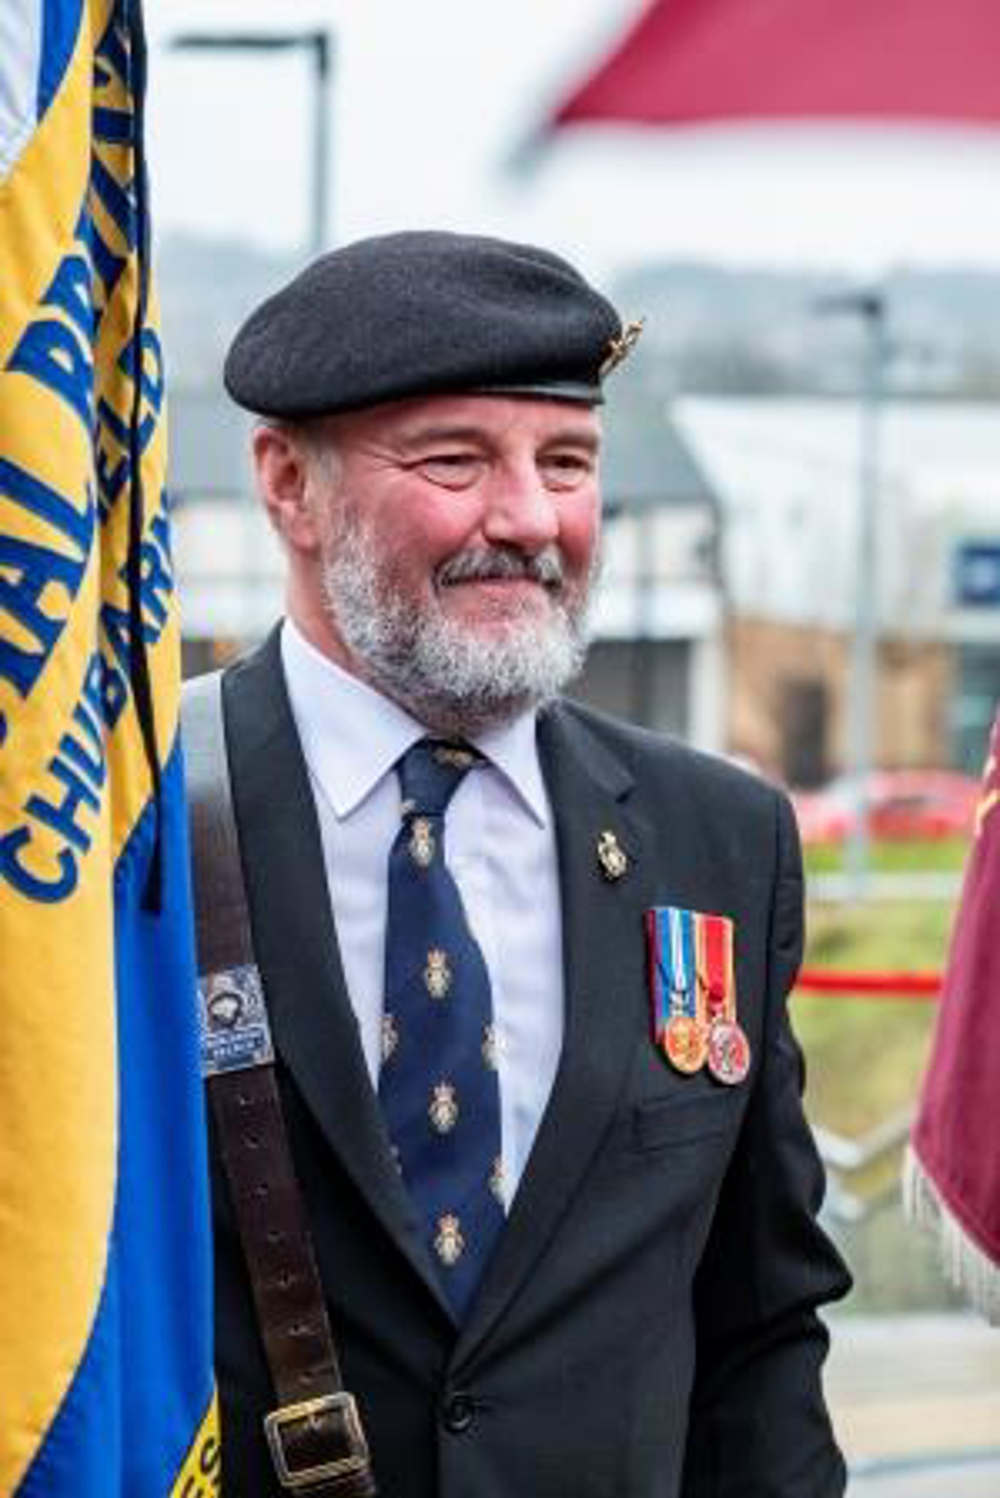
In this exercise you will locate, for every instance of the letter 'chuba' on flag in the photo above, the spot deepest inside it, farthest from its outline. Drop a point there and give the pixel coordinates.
(952, 1175)
(105, 1355)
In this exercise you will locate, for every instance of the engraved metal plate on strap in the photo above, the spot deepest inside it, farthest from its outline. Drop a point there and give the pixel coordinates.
(232, 1021)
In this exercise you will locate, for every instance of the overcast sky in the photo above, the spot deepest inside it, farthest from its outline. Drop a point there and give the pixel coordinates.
(432, 97)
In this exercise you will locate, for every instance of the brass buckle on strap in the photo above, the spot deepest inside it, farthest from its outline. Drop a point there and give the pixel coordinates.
(303, 1425)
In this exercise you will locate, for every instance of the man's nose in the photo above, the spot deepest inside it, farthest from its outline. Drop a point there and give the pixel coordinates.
(520, 510)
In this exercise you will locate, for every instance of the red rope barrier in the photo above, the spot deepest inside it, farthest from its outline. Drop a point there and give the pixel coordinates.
(864, 985)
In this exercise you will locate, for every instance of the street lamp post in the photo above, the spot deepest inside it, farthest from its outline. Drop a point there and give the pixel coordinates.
(319, 44)
(870, 307)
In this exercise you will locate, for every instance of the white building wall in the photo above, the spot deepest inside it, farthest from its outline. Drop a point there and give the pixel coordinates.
(786, 474)
(230, 570)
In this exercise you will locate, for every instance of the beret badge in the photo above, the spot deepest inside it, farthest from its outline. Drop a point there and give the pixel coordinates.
(619, 348)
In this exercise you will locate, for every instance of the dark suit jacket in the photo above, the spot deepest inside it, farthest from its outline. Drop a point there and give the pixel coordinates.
(647, 1327)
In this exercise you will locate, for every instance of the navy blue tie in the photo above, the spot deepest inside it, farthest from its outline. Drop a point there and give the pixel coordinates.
(438, 1083)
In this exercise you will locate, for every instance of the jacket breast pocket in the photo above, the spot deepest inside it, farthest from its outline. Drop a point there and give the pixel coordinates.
(666, 1123)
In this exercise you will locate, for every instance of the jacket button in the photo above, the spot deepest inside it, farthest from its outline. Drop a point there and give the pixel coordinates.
(458, 1412)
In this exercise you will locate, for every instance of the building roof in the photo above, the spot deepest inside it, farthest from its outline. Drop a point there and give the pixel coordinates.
(646, 463)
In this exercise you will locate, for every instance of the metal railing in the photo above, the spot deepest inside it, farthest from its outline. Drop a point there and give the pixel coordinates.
(848, 1160)
(857, 1186)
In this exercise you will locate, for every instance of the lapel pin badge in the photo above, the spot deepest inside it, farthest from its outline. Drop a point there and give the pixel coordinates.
(612, 857)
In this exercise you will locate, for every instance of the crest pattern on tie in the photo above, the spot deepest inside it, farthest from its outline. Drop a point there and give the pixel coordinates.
(438, 1083)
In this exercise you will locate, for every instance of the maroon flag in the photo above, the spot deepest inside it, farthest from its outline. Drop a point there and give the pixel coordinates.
(686, 61)
(952, 1175)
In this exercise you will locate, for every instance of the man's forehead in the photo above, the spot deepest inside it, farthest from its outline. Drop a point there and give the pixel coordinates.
(423, 419)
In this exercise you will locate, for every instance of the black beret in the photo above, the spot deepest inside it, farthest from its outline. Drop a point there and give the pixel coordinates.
(424, 313)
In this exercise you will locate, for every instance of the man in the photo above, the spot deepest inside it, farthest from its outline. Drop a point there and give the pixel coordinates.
(561, 1255)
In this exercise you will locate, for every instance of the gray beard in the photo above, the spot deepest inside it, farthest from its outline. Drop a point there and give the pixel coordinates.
(451, 679)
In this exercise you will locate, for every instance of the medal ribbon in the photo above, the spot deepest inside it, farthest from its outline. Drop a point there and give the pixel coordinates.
(671, 936)
(715, 967)
(657, 985)
(682, 977)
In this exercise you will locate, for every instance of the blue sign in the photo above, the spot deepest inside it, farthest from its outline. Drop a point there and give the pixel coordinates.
(977, 574)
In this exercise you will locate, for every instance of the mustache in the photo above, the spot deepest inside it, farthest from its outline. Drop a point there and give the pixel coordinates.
(484, 564)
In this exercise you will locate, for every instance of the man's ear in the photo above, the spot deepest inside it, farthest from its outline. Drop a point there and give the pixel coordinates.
(282, 477)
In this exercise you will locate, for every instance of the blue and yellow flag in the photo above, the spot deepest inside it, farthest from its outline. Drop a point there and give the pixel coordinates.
(106, 1385)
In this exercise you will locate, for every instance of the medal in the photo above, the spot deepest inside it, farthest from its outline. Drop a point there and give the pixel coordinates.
(728, 1049)
(684, 1043)
(678, 1020)
(728, 1052)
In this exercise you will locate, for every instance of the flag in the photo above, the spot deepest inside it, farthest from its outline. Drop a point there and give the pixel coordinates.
(689, 61)
(106, 1384)
(952, 1171)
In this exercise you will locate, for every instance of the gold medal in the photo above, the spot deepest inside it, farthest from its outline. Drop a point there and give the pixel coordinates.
(678, 1016)
(684, 1043)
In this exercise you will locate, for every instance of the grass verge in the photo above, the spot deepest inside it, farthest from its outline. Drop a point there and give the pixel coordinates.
(930, 856)
(865, 1056)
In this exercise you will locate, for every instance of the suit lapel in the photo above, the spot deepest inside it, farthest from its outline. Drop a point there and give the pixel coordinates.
(313, 1024)
(604, 966)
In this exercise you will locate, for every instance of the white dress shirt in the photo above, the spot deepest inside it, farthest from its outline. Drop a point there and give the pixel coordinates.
(500, 847)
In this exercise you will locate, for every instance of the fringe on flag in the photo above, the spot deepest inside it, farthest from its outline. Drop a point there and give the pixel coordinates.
(967, 1266)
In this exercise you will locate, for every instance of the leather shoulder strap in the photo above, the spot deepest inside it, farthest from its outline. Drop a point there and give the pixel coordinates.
(223, 925)
(317, 1444)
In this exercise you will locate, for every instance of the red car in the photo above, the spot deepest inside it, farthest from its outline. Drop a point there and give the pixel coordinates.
(901, 804)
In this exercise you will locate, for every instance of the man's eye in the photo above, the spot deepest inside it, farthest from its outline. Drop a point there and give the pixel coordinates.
(566, 470)
(449, 468)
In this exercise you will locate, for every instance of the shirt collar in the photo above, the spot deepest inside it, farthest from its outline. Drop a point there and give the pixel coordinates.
(513, 749)
(352, 735)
